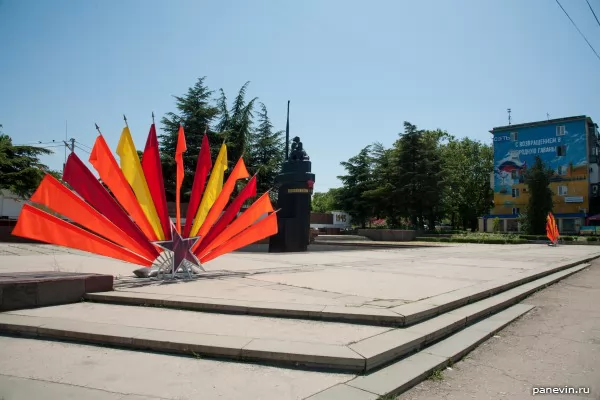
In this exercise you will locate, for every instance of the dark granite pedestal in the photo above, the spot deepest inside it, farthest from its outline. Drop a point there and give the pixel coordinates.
(37, 289)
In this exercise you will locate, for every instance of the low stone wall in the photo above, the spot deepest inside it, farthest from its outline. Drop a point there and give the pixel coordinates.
(388, 235)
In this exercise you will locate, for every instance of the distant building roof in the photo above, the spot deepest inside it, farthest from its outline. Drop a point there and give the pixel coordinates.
(539, 123)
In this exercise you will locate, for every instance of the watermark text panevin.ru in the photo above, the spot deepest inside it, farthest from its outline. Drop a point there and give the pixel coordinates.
(560, 390)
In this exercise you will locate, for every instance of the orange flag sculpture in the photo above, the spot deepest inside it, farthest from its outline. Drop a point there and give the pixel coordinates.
(112, 176)
(52, 194)
(39, 225)
(181, 148)
(259, 208)
(239, 172)
(230, 213)
(551, 229)
(203, 166)
(109, 219)
(264, 228)
(154, 177)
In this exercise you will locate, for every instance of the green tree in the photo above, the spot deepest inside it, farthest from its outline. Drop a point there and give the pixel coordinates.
(357, 183)
(467, 166)
(266, 152)
(383, 175)
(417, 187)
(20, 168)
(537, 179)
(235, 124)
(326, 201)
(195, 112)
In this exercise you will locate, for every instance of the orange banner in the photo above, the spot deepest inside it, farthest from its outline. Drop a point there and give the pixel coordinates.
(52, 194)
(239, 172)
(262, 229)
(39, 225)
(112, 176)
(259, 208)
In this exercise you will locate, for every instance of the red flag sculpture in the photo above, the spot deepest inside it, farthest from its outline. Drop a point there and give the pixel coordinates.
(203, 167)
(115, 225)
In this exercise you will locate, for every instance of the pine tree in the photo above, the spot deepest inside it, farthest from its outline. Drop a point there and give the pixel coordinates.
(357, 181)
(235, 124)
(266, 152)
(537, 179)
(195, 112)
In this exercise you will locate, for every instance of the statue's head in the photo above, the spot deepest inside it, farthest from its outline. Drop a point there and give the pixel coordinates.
(296, 139)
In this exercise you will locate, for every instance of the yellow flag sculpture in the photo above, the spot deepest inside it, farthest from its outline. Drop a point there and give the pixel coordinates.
(213, 188)
(132, 169)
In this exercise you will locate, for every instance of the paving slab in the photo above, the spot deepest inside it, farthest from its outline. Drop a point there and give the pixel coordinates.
(344, 392)
(147, 375)
(208, 323)
(13, 388)
(399, 376)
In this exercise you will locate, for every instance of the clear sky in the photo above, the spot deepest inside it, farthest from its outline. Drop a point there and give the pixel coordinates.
(354, 70)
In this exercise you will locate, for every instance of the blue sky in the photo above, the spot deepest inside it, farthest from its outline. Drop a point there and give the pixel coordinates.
(353, 70)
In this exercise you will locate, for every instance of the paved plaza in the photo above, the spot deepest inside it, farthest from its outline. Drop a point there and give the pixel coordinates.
(328, 279)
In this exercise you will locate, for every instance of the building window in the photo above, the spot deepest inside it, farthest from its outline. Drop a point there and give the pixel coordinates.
(562, 170)
(594, 151)
(514, 136)
(560, 130)
(562, 190)
(515, 192)
(516, 211)
(514, 174)
(568, 226)
(561, 150)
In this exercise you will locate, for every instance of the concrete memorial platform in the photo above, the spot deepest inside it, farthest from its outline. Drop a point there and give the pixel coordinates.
(37, 289)
(371, 322)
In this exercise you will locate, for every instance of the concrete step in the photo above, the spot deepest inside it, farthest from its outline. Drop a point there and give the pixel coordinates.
(408, 372)
(309, 344)
(404, 315)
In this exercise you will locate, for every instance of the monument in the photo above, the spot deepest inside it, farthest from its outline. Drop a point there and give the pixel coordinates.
(295, 184)
(131, 223)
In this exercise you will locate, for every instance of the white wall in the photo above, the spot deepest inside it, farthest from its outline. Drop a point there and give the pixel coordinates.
(10, 204)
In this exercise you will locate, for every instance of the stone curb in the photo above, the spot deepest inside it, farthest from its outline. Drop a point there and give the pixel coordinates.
(402, 375)
(404, 315)
(362, 356)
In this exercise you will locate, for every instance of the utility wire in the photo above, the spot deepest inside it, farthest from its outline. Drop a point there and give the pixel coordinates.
(578, 30)
(82, 144)
(592, 10)
(81, 148)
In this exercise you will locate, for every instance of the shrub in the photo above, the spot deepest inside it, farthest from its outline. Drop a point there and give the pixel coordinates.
(466, 239)
(592, 239)
(533, 237)
(496, 225)
(568, 238)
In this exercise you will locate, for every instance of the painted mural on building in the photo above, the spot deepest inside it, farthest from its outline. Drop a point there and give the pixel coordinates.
(561, 146)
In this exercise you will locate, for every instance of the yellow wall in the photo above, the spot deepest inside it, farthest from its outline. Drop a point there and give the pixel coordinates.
(577, 186)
